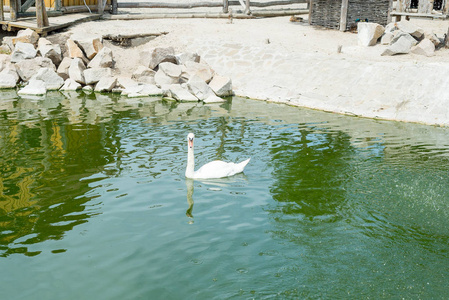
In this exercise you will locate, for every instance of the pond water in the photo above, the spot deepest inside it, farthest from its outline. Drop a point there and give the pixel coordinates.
(94, 203)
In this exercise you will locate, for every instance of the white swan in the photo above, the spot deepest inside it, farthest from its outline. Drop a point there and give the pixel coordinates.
(214, 169)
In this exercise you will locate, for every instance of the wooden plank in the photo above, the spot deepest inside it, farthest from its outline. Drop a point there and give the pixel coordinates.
(225, 6)
(254, 14)
(2, 13)
(13, 9)
(343, 15)
(310, 11)
(418, 15)
(114, 7)
(100, 7)
(204, 4)
(27, 5)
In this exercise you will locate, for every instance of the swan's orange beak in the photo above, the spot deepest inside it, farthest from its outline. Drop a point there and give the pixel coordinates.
(190, 143)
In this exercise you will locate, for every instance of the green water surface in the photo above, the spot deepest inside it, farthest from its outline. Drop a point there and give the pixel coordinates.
(94, 203)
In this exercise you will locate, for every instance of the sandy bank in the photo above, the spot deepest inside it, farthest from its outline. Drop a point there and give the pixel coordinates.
(277, 60)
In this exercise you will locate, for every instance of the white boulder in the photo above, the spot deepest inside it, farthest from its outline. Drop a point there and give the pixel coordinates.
(199, 88)
(176, 91)
(401, 46)
(70, 85)
(23, 51)
(26, 36)
(103, 59)
(76, 70)
(410, 28)
(34, 87)
(369, 33)
(221, 85)
(153, 57)
(47, 49)
(106, 84)
(28, 67)
(51, 79)
(92, 76)
(63, 68)
(425, 47)
(90, 44)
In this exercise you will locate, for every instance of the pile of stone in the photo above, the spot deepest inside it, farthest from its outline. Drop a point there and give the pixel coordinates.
(35, 65)
(401, 38)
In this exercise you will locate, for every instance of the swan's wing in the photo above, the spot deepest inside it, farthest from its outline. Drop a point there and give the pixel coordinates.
(219, 169)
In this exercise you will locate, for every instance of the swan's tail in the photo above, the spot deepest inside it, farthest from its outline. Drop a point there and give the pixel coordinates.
(243, 164)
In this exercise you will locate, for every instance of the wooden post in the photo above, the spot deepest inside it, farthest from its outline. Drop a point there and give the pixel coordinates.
(114, 5)
(310, 11)
(446, 8)
(2, 13)
(225, 6)
(100, 7)
(247, 10)
(58, 5)
(344, 15)
(390, 9)
(13, 10)
(41, 14)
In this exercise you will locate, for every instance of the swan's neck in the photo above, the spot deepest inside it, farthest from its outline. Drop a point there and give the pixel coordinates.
(190, 170)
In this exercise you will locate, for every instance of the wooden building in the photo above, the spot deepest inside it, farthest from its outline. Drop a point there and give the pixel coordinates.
(344, 14)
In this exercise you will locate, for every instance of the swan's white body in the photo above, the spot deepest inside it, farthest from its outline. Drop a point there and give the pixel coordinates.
(214, 169)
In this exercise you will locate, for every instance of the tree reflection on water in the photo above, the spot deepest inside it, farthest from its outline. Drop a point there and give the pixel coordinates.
(50, 148)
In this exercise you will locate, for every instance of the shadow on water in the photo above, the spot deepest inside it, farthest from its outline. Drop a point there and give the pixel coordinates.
(55, 150)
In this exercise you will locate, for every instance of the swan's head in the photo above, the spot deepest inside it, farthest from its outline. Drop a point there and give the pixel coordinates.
(190, 138)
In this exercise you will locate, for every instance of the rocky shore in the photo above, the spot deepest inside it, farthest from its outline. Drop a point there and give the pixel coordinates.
(35, 65)
(277, 60)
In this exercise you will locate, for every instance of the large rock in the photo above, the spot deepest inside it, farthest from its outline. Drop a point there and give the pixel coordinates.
(152, 58)
(92, 76)
(90, 44)
(106, 84)
(187, 56)
(222, 86)
(161, 78)
(142, 90)
(70, 85)
(51, 79)
(103, 59)
(431, 36)
(401, 34)
(410, 28)
(47, 49)
(369, 33)
(126, 82)
(74, 51)
(171, 69)
(401, 46)
(63, 69)
(386, 39)
(27, 68)
(5, 60)
(144, 74)
(7, 40)
(203, 70)
(26, 36)
(213, 99)
(34, 87)
(76, 70)
(425, 47)
(199, 88)
(176, 91)
(23, 51)
(8, 77)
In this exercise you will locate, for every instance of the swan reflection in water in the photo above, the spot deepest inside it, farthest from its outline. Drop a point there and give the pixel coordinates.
(189, 185)
(218, 185)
